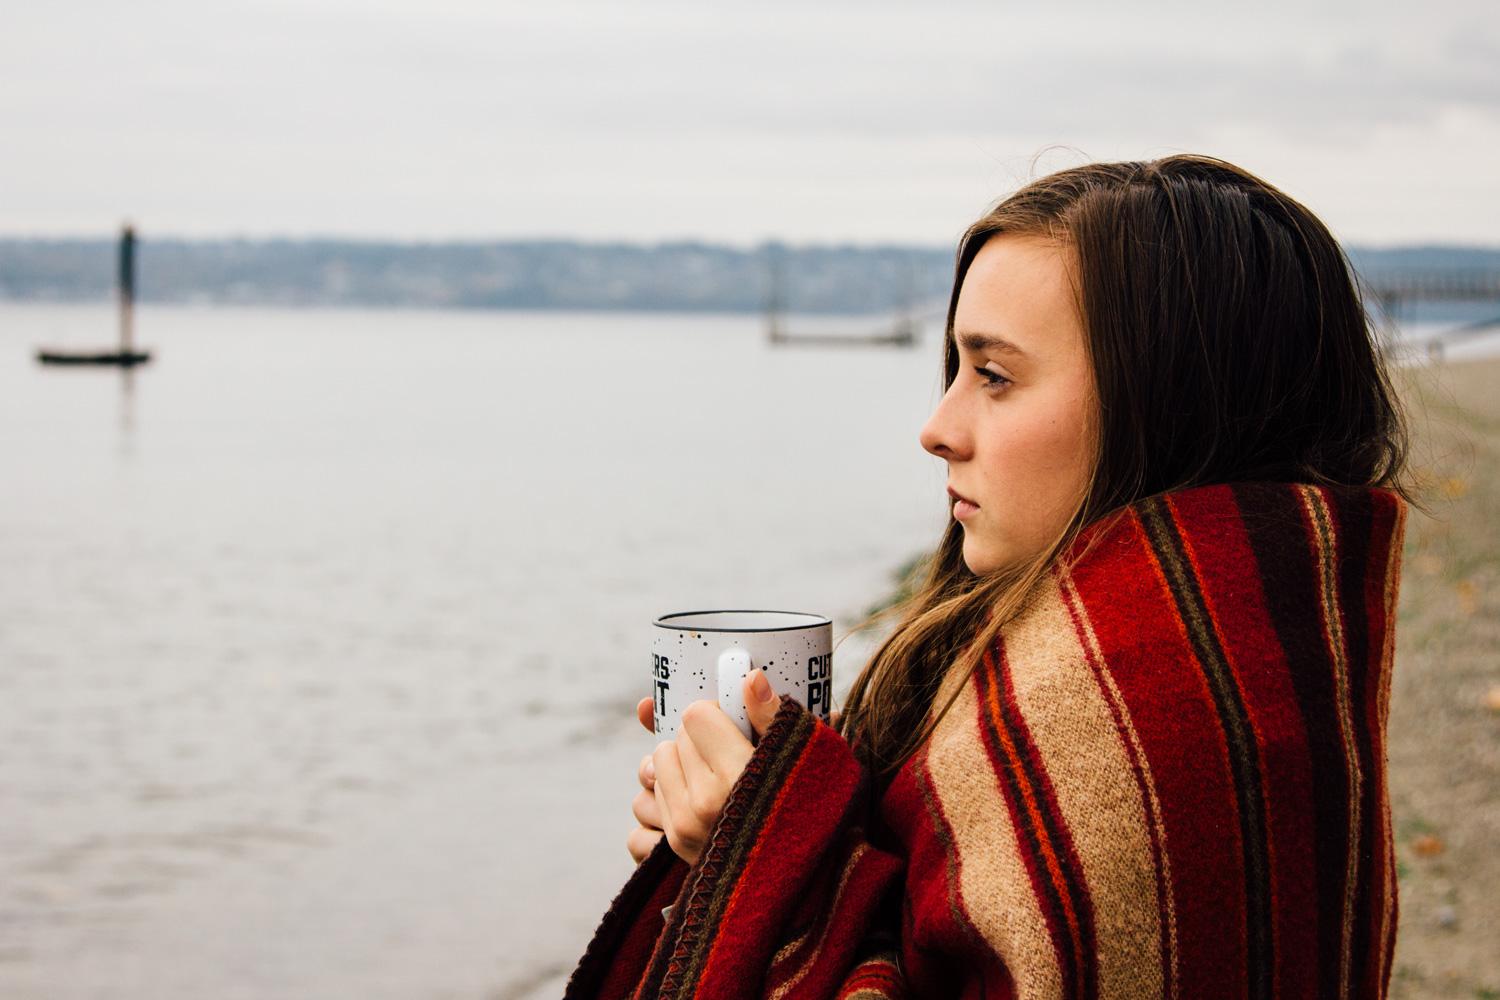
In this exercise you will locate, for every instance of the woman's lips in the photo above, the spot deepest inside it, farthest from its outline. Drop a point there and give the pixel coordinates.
(962, 506)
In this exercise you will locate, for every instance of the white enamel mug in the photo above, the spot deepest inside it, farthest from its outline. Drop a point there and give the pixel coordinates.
(708, 654)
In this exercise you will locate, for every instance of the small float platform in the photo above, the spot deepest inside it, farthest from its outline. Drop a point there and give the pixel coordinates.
(126, 356)
(120, 359)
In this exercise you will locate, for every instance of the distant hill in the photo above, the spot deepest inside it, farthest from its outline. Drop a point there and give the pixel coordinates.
(1372, 262)
(514, 275)
(535, 274)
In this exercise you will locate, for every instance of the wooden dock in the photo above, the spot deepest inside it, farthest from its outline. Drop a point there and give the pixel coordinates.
(1391, 291)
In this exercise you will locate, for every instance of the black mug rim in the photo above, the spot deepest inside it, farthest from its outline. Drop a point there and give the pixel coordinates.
(665, 620)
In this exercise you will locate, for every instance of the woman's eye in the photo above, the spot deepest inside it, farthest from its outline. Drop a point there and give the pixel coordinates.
(992, 378)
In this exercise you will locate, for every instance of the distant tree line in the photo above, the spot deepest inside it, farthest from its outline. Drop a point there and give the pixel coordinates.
(536, 274)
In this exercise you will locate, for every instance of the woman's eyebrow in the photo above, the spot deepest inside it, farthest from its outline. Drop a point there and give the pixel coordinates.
(978, 343)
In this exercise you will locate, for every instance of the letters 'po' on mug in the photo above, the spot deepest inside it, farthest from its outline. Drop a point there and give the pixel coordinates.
(708, 654)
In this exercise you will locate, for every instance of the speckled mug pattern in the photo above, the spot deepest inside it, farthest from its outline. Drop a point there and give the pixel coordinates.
(795, 650)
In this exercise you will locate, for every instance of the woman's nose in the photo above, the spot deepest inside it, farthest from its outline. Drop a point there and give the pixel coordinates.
(943, 435)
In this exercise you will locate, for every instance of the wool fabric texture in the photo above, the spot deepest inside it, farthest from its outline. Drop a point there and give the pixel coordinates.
(1167, 778)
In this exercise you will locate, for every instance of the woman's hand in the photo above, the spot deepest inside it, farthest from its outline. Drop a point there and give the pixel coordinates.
(642, 839)
(685, 782)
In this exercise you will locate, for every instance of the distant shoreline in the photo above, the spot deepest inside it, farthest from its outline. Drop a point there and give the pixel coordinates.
(685, 276)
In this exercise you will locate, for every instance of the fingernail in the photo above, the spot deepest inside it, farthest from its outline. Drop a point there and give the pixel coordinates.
(650, 770)
(761, 686)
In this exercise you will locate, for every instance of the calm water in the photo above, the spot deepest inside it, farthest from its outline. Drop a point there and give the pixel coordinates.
(319, 636)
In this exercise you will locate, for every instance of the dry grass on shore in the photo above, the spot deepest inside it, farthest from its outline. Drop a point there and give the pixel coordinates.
(1445, 700)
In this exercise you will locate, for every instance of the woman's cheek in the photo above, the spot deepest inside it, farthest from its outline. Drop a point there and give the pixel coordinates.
(1045, 469)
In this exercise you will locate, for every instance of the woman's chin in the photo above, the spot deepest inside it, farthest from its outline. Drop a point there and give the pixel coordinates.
(979, 561)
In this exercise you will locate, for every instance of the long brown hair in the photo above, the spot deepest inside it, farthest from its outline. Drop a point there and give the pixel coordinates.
(1228, 342)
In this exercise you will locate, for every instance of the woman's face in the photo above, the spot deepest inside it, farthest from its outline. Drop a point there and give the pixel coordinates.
(1015, 425)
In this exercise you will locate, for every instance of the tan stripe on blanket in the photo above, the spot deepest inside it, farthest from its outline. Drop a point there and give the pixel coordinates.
(1384, 926)
(1096, 789)
(993, 883)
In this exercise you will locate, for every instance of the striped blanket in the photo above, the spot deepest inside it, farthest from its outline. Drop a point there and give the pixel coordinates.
(1167, 779)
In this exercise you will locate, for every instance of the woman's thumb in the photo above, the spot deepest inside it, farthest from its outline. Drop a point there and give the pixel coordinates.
(761, 703)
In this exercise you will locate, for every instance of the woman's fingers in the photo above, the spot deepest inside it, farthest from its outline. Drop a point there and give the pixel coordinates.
(645, 810)
(643, 839)
(707, 791)
(694, 774)
(642, 842)
(717, 739)
(695, 769)
(761, 702)
(645, 712)
(670, 790)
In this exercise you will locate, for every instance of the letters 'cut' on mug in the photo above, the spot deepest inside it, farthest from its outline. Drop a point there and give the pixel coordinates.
(708, 654)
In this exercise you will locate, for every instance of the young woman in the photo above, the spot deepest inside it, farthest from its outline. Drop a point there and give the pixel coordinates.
(1128, 739)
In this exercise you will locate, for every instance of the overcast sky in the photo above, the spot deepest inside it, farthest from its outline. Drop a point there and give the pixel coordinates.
(648, 120)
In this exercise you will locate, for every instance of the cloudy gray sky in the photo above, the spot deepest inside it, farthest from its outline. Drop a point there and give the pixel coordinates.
(649, 119)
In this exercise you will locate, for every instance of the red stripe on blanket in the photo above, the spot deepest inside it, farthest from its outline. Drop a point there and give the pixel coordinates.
(1161, 520)
(942, 952)
(1364, 522)
(808, 806)
(1226, 568)
(1133, 612)
(1288, 554)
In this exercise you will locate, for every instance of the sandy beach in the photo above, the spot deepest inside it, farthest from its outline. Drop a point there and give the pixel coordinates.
(1445, 701)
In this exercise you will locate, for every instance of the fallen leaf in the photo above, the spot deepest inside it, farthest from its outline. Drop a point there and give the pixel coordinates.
(1427, 846)
(1468, 596)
